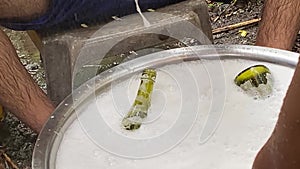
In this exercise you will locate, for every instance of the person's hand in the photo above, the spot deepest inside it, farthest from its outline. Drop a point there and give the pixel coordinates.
(282, 150)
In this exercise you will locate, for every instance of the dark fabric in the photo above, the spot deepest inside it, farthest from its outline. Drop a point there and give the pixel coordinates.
(72, 12)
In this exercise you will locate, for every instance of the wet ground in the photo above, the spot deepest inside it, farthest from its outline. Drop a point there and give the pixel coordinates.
(19, 142)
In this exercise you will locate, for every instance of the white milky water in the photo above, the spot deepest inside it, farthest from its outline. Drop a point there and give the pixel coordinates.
(245, 125)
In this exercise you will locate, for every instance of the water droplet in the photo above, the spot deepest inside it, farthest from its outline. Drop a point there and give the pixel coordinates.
(55, 132)
(227, 148)
(171, 88)
(111, 161)
(252, 149)
(97, 154)
(284, 125)
(133, 52)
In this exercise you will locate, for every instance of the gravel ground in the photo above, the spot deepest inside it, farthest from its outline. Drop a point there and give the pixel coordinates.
(18, 141)
(236, 14)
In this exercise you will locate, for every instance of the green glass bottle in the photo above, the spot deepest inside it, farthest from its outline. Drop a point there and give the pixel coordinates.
(139, 109)
(256, 81)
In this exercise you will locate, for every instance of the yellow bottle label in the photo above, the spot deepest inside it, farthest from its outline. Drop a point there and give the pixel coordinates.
(139, 109)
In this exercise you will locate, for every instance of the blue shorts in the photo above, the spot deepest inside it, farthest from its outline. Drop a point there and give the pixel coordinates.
(74, 12)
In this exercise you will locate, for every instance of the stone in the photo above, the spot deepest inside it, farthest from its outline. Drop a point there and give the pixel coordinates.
(60, 50)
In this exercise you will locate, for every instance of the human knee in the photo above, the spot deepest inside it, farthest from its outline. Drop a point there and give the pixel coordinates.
(22, 9)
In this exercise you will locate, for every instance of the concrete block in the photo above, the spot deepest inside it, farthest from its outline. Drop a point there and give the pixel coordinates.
(61, 50)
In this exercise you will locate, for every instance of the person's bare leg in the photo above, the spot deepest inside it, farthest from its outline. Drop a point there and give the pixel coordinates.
(22, 9)
(282, 151)
(18, 92)
(278, 29)
(280, 24)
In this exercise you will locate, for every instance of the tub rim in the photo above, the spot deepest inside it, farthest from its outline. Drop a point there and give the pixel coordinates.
(46, 147)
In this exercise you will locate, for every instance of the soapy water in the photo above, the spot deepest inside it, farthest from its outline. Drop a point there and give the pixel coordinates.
(245, 126)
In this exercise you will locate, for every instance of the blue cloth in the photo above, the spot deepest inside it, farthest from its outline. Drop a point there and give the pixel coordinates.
(68, 12)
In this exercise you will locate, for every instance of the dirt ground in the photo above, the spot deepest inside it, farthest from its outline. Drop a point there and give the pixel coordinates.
(235, 14)
(17, 141)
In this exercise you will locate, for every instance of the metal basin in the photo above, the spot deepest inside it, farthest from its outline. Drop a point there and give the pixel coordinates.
(49, 140)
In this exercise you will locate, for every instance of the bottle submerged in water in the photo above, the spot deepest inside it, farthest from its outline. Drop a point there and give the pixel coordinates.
(139, 110)
(255, 81)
